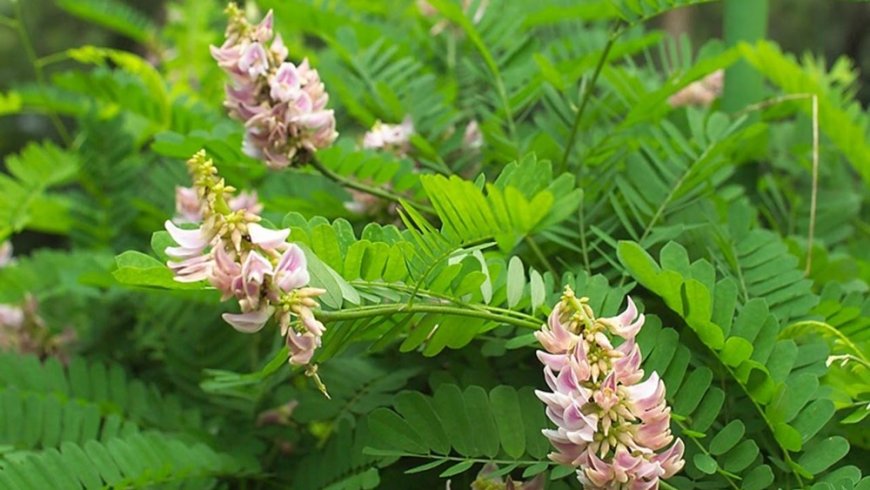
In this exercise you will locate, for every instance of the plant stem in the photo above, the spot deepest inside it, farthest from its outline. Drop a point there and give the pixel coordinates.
(587, 93)
(543, 258)
(815, 192)
(359, 186)
(728, 476)
(389, 309)
(433, 295)
(27, 44)
(581, 212)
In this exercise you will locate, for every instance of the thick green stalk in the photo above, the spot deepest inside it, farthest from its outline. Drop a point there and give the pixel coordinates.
(745, 21)
(398, 308)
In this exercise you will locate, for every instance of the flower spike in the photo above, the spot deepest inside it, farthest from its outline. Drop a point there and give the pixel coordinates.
(282, 105)
(244, 260)
(609, 424)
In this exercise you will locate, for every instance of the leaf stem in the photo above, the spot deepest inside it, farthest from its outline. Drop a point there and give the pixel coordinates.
(390, 309)
(540, 254)
(789, 332)
(815, 192)
(401, 454)
(581, 212)
(430, 294)
(587, 93)
(728, 476)
(359, 186)
(27, 44)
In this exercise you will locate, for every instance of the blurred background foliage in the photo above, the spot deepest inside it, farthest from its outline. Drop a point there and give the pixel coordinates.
(827, 29)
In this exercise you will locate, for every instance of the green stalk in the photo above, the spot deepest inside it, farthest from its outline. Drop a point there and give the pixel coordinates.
(18, 24)
(359, 186)
(587, 92)
(745, 21)
(391, 309)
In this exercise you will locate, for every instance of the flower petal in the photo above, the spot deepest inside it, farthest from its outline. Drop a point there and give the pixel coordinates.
(250, 322)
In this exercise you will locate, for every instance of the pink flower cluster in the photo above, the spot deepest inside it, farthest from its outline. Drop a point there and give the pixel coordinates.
(394, 138)
(23, 330)
(283, 105)
(700, 93)
(5, 253)
(609, 424)
(428, 10)
(244, 260)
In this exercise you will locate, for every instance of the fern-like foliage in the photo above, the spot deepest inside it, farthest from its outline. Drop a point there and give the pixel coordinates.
(504, 423)
(86, 421)
(105, 386)
(48, 274)
(28, 204)
(779, 378)
(356, 387)
(763, 267)
(846, 127)
(134, 460)
(113, 15)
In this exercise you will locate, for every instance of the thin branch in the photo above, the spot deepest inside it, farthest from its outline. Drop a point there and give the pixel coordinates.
(727, 475)
(583, 246)
(27, 44)
(541, 257)
(359, 186)
(815, 193)
(587, 93)
(788, 332)
(814, 99)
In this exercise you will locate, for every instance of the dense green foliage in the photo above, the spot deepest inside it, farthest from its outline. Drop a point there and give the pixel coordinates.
(746, 243)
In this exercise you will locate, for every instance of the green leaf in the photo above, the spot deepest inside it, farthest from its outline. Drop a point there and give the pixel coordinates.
(485, 431)
(450, 405)
(138, 269)
(736, 350)
(758, 478)
(322, 276)
(393, 432)
(693, 390)
(739, 458)
(538, 291)
(705, 463)
(418, 412)
(824, 453)
(787, 436)
(857, 416)
(457, 469)
(730, 435)
(506, 409)
(535, 469)
(425, 467)
(516, 281)
(114, 15)
(561, 471)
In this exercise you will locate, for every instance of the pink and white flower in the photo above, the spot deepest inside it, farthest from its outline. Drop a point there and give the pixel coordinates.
(609, 424)
(394, 138)
(246, 261)
(282, 105)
